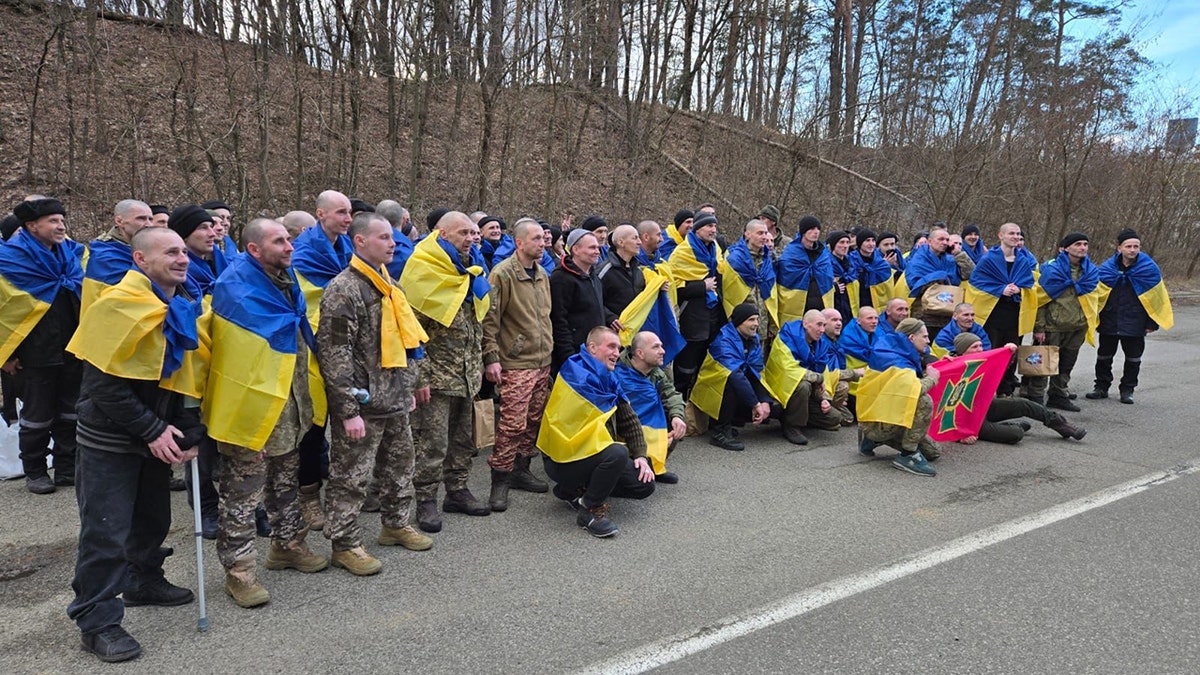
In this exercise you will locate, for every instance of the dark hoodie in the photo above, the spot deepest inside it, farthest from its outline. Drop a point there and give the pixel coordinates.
(576, 307)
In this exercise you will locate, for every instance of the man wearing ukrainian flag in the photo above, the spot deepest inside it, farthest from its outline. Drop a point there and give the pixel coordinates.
(206, 260)
(367, 340)
(40, 282)
(805, 272)
(676, 232)
(729, 388)
(137, 350)
(1002, 291)
(109, 255)
(1133, 302)
(257, 407)
(751, 277)
(661, 411)
(586, 406)
(795, 376)
(894, 407)
(450, 296)
(321, 253)
(695, 268)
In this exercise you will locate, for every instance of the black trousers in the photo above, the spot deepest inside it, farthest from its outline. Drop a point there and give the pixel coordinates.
(1133, 348)
(1001, 328)
(997, 428)
(124, 514)
(687, 366)
(314, 456)
(608, 473)
(208, 464)
(49, 395)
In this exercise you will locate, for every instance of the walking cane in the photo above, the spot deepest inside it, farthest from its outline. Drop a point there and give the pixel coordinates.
(202, 623)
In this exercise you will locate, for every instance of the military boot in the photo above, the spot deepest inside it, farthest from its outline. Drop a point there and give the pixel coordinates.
(295, 555)
(310, 506)
(462, 501)
(241, 583)
(357, 562)
(523, 479)
(498, 499)
(1064, 428)
(406, 536)
(428, 517)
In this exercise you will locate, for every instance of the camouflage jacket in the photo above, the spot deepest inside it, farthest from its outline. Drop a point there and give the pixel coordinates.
(453, 361)
(348, 351)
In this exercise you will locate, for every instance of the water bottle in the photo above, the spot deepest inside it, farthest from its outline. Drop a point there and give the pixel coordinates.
(361, 395)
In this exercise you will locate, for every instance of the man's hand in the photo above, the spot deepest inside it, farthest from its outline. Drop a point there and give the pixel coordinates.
(859, 372)
(710, 284)
(355, 427)
(645, 473)
(190, 453)
(933, 373)
(165, 448)
(666, 286)
(1010, 347)
(678, 429)
(762, 411)
(421, 395)
(617, 325)
(13, 365)
(826, 405)
(492, 372)
(1011, 290)
(969, 440)
(1039, 338)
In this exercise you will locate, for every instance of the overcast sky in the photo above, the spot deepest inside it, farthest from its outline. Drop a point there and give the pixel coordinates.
(1170, 38)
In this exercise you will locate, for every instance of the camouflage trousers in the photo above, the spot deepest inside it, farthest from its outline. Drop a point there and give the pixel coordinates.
(247, 478)
(386, 451)
(443, 432)
(804, 408)
(841, 402)
(523, 395)
(907, 439)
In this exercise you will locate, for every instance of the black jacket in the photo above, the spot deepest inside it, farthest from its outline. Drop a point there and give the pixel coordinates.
(1123, 313)
(697, 322)
(46, 344)
(621, 282)
(576, 307)
(123, 415)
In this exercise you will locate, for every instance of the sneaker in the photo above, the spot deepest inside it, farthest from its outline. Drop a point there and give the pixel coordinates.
(723, 438)
(1096, 393)
(357, 562)
(209, 526)
(158, 592)
(42, 485)
(595, 520)
(794, 436)
(462, 501)
(569, 500)
(1062, 404)
(112, 645)
(262, 525)
(866, 446)
(915, 464)
(406, 536)
(428, 517)
(666, 477)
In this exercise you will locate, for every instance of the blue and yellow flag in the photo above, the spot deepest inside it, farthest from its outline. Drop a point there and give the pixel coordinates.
(1147, 282)
(876, 273)
(891, 387)
(437, 283)
(401, 254)
(1056, 277)
(254, 338)
(316, 261)
(494, 254)
(744, 276)
(204, 274)
(31, 277)
(925, 267)
(796, 274)
(584, 397)
(108, 261)
(138, 334)
(650, 310)
(796, 358)
(693, 260)
(643, 396)
(726, 355)
(992, 274)
(671, 240)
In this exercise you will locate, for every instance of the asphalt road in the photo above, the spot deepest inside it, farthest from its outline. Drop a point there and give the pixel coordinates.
(1109, 588)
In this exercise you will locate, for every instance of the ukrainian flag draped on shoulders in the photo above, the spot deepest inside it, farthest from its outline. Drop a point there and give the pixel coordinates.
(992, 274)
(671, 240)
(891, 387)
(694, 260)
(399, 330)
(401, 254)
(1056, 277)
(643, 396)
(31, 277)
(437, 283)
(792, 357)
(584, 397)
(254, 335)
(108, 261)
(727, 354)
(746, 277)
(796, 273)
(496, 253)
(651, 310)
(876, 274)
(203, 273)
(1147, 282)
(138, 333)
(856, 344)
(316, 261)
(924, 267)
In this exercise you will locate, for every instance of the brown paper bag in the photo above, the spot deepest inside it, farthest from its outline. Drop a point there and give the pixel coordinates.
(697, 420)
(940, 300)
(1037, 360)
(485, 423)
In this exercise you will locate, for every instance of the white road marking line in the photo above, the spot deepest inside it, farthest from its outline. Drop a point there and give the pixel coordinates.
(677, 647)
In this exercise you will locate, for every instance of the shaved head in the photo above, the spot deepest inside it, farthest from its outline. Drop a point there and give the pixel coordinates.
(148, 238)
(256, 229)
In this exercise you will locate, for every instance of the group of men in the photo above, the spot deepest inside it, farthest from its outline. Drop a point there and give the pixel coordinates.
(347, 345)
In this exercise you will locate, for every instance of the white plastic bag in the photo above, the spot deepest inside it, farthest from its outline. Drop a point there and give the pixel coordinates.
(10, 453)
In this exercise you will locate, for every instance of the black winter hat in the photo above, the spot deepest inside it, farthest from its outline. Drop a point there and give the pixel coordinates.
(434, 216)
(808, 223)
(27, 212)
(884, 236)
(742, 312)
(971, 228)
(1072, 238)
(836, 236)
(358, 205)
(1127, 233)
(863, 235)
(593, 223)
(157, 209)
(8, 226)
(214, 204)
(704, 220)
(682, 215)
(186, 218)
